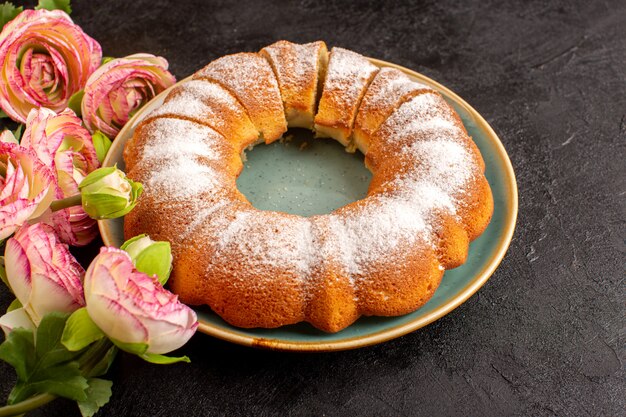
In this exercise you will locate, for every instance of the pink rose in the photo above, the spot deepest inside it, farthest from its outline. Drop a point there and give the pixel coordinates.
(132, 307)
(61, 142)
(26, 187)
(45, 59)
(119, 88)
(43, 274)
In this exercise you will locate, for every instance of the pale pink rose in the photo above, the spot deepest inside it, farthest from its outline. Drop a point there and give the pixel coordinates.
(27, 187)
(61, 142)
(44, 58)
(132, 307)
(119, 88)
(42, 273)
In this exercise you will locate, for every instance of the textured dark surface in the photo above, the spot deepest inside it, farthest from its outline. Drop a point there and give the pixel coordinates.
(545, 335)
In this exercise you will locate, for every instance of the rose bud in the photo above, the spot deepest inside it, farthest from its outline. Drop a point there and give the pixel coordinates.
(131, 307)
(42, 273)
(44, 58)
(150, 257)
(60, 141)
(119, 88)
(107, 193)
(26, 187)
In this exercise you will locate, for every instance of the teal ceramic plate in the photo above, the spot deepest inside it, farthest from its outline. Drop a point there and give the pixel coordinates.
(316, 176)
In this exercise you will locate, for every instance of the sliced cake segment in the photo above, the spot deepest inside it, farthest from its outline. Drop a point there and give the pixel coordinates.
(347, 78)
(250, 78)
(299, 70)
(211, 104)
(388, 90)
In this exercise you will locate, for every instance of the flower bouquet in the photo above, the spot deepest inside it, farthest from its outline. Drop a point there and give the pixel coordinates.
(66, 103)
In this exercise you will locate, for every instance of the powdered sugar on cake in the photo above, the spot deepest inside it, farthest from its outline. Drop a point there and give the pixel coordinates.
(176, 147)
(298, 65)
(407, 215)
(347, 73)
(355, 237)
(390, 86)
(266, 242)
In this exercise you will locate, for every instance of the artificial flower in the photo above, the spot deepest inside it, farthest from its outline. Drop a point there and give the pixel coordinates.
(61, 142)
(44, 59)
(119, 88)
(107, 193)
(27, 187)
(131, 307)
(42, 273)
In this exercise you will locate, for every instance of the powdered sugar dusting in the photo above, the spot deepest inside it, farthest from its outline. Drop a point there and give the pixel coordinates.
(414, 114)
(267, 240)
(183, 156)
(196, 99)
(179, 138)
(407, 212)
(173, 157)
(348, 73)
(442, 163)
(365, 235)
(251, 79)
(296, 66)
(388, 87)
(177, 183)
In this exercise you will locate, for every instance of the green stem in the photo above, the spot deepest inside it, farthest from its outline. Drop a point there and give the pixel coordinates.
(26, 405)
(72, 201)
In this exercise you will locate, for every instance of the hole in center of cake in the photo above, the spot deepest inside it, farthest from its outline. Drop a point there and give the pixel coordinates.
(302, 175)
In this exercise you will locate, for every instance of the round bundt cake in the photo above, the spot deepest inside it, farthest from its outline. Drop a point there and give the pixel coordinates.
(383, 255)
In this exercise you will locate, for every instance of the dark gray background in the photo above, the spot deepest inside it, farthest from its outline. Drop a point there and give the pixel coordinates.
(545, 335)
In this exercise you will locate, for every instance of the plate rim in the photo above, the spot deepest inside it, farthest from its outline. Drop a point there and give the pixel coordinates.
(386, 334)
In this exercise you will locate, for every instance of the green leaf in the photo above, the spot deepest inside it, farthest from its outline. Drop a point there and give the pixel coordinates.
(17, 133)
(15, 304)
(75, 102)
(8, 11)
(102, 366)
(98, 394)
(162, 359)
(102, 144)
(80, 331)
(18, 350)
(156, 260)
(134, 348)
(106, 59)
(55, 5)
(44, 366)
(150, 257)
(63, 380)
(3, 273)
(104, 206)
